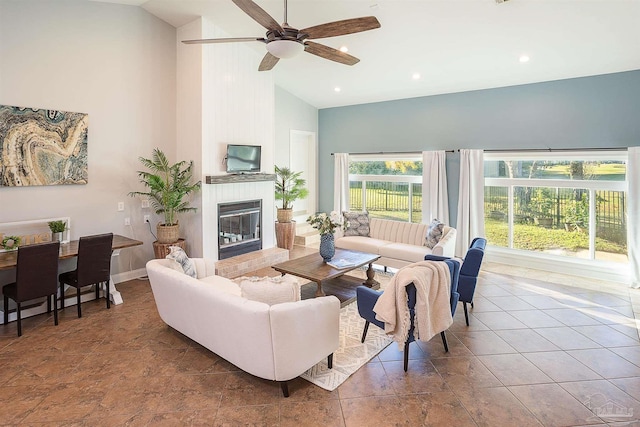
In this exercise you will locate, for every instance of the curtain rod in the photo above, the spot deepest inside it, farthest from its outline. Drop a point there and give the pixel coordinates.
(506, 150)
(396, 152)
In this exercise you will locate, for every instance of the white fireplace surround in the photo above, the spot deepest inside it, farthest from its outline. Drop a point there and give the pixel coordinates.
(237, 192)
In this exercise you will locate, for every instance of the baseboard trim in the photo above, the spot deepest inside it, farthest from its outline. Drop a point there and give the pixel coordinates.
(595, 269)
(128, 275)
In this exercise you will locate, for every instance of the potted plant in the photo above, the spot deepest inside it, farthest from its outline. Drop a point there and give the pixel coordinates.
(57, 227)
(289, 188)
(10, 243)
(167, 185)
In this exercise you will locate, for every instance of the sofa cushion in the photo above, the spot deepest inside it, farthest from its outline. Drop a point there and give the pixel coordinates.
(178, 254)
(358, 223)
(360, 243)
(434, 234)
(403, 251)
(270, 290)
(222, 284)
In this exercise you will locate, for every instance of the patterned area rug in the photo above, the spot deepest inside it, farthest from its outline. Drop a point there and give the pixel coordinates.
(351, 354)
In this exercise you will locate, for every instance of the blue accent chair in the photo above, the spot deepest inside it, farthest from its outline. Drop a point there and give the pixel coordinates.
(468, 272)
(367, 298)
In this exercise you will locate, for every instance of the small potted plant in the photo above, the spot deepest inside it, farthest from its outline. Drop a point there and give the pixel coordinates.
(10, 243)
(57, 227)
(168, 184)
(289, 188)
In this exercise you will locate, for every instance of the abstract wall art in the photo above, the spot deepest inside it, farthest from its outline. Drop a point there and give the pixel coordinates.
(42, 147)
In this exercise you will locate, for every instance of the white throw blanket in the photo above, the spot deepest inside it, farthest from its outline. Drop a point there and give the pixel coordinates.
(432, 280)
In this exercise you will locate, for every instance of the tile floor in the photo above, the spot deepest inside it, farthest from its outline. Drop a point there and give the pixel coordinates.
(563, 352)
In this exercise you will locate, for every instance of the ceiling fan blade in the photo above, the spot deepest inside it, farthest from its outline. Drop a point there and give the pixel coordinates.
(225, 40)
(259, 15)
(340, 28)
(268, 62)
(330, 53)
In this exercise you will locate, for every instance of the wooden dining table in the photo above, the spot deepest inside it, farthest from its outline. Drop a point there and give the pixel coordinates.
(9, 260)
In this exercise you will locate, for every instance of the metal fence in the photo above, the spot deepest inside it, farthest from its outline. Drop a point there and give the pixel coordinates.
(389, 200)
(611, 208)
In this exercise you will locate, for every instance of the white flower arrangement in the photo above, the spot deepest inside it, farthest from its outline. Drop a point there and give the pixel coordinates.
(327, 224)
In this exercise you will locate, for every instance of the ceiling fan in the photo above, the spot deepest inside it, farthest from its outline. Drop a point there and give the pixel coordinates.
(284, 41)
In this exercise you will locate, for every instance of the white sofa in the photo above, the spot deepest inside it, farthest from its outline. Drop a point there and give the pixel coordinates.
(277, 342)
(398, 243)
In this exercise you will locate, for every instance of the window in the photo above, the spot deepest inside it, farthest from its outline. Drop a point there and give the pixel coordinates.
(386, 187)
(565, 204)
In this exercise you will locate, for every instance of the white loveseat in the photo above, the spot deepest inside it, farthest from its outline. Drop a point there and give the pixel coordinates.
(398, 243)
(277, 342)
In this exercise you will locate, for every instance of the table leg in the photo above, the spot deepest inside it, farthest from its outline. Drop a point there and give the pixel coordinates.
(319, 291)
(370, 277)
(116, 298)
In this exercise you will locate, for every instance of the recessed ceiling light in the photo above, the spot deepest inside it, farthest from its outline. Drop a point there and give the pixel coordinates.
(337, 89)
(524, 58)
(344, 49)
(415, 76)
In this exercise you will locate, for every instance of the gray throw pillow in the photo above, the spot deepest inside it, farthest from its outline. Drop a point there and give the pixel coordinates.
(358, 223)
(176, 253)
(434, 233)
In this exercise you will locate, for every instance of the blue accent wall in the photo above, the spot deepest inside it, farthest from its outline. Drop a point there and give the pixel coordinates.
(586, 112)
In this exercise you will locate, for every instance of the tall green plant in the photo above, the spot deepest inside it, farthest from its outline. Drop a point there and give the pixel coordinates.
(289, 186)
(167, 184)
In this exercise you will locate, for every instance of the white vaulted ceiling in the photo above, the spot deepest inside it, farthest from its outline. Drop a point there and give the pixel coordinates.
(455, 45)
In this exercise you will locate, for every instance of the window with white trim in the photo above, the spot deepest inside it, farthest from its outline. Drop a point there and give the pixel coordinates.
(561, 203)
(387, 186)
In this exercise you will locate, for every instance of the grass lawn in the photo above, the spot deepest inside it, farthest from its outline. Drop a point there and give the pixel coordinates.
(536, 238)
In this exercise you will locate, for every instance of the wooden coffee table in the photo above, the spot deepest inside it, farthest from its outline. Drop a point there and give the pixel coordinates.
(313, 268)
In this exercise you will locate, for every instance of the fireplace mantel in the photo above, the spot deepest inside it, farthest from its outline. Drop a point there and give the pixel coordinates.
(239, 178)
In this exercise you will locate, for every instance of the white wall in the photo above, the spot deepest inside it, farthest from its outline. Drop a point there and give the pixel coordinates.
(118, 64)
(292, 113)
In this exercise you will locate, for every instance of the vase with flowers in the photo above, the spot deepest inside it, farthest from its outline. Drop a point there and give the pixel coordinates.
(326, 226)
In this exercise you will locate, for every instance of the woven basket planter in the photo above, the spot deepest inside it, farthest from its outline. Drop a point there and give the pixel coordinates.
(168, 233)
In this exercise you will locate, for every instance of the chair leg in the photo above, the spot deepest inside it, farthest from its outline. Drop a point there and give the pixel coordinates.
(466, 314)
(62, 296)
(49, 304)
(285, 388)
(471, 304)
(97, 290)
(79, 305)
(6, 309)
(444, 341)
(55, 308)
(19, 319)
(330, 361)
(107, 295)
(364, 333)
(406, 356)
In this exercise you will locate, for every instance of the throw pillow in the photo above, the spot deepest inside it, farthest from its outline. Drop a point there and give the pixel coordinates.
(434, 233)
(358, 223)
(270, 290)
(176, 253)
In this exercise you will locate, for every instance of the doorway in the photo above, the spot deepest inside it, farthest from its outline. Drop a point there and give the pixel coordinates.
(303, 156)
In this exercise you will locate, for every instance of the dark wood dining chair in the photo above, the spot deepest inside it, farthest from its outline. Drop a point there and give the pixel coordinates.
(94, 267)
(36, 277)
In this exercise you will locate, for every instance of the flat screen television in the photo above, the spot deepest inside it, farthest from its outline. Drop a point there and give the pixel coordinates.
(243, 158)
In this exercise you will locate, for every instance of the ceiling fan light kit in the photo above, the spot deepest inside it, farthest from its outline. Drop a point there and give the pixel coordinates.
(284, 41)
(284, 49)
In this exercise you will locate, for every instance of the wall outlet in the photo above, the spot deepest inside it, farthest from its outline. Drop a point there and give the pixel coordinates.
(127, 221)
(147, 218)
(145, 203)
(120, 206)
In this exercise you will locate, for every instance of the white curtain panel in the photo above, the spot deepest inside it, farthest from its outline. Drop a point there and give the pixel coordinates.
(341, 182)
(435, 200)
(633, 212)
(470, 200)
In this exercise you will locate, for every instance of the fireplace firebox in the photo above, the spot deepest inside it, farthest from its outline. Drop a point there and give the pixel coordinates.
(239, 228)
